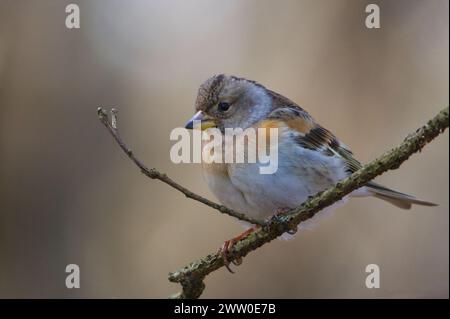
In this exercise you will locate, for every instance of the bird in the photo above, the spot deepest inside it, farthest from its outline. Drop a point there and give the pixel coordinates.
(310, 157)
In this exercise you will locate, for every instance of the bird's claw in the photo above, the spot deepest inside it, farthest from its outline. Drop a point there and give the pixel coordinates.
(223, 251)
(227, 246)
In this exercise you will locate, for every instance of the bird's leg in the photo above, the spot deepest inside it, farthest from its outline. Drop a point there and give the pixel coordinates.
(228, 246)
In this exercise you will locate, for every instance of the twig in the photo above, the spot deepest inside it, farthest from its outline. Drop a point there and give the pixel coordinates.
(155, 174)
(191, 276)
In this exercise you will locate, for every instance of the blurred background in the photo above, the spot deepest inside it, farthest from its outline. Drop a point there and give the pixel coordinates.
(68, 194)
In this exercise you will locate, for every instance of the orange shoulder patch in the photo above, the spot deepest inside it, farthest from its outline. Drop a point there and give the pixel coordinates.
(300, 124)
(267, 125)
(271, 124)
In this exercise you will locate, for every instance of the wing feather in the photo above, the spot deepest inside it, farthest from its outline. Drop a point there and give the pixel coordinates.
(313, 136)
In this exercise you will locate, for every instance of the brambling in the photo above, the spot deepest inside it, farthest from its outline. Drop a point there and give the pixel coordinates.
(310, 158)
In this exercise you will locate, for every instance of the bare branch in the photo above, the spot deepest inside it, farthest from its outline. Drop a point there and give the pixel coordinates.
(155, 174)
(191, 276)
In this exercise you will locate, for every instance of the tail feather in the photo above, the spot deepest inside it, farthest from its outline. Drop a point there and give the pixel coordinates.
(398, 199)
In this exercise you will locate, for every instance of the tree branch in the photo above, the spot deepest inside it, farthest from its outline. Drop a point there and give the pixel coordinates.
(191, 276)
(155, 174)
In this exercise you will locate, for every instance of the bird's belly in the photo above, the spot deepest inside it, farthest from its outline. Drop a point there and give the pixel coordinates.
(299, 176)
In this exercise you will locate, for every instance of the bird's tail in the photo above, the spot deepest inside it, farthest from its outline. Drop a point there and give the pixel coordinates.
(396, 198)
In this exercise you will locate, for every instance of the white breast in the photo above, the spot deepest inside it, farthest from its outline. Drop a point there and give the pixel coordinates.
(301, 173)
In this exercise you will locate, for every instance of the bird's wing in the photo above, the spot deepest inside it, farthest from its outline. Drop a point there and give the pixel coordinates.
(313, 136)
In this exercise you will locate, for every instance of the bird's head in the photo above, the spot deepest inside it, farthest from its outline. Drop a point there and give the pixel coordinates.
(230, 102)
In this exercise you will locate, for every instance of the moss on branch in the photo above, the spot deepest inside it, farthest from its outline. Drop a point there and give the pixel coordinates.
(191, 276)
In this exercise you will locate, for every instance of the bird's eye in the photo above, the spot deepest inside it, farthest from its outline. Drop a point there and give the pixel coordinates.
(223, 106)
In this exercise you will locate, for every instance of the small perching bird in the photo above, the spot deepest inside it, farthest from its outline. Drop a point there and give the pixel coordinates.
(310, 158)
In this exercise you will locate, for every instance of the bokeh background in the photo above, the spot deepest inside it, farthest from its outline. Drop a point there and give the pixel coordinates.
(69, 195)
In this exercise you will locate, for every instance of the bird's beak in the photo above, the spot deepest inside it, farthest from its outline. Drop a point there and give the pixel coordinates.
(206, 121)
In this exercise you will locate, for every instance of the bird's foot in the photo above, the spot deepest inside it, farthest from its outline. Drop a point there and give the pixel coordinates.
(282, 211)
(228, 246)
(279, 213)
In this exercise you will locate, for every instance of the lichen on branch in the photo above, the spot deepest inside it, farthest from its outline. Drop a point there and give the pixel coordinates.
(191, 276)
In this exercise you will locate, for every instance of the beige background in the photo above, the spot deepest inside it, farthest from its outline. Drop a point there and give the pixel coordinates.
(69, 195)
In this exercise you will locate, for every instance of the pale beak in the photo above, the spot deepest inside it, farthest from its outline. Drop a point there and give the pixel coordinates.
(206, 121)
